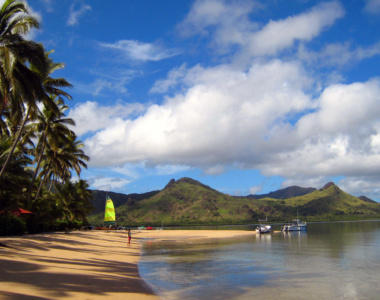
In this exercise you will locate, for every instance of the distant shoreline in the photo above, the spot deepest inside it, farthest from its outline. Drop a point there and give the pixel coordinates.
(91, 264)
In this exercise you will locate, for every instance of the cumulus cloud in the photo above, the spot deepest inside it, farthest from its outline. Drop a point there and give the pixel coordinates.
(91, 116)
(140, 51)
(340, 137)
(221, 119)
(245, 119)
(361, 186)
(269, 113)
(77, 12)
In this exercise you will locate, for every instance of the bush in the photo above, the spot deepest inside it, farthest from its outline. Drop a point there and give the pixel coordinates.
(65, 225)
(10, 225)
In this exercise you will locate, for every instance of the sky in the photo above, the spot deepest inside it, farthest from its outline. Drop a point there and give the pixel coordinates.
(245, 96)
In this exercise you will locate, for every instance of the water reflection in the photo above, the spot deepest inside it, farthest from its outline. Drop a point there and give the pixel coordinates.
(330, 260)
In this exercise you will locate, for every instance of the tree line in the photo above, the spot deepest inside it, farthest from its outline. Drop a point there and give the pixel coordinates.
(39, 152)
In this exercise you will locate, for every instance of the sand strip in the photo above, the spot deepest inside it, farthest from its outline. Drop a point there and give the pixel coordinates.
(83, 264)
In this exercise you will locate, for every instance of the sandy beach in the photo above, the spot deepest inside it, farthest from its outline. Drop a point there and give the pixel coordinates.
(83, 264)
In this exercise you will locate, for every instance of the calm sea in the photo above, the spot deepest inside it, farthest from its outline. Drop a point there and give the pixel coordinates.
(335, 260)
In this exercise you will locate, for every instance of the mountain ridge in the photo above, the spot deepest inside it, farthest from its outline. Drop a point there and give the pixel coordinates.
(189, 202)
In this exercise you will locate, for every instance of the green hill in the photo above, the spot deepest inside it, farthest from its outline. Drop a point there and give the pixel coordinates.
(99, 198)
(292, 191)
(189, 202)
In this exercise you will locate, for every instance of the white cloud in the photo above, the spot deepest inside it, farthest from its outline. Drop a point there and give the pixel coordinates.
(139, 51)
(91, 117)
(232, 26)
(266, 113)
(173, 78)
(282, 34)
(76, 13)
(170, 169)
(255, 189)
(227, 21)
(361, 186)
(337, 139)
(222, 118)
(372, 6)
(304, 181)
(245, 118)
(108, 80)
(107, 183)
(338, 54)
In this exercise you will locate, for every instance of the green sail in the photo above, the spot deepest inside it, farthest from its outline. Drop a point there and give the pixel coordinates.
(109, 215)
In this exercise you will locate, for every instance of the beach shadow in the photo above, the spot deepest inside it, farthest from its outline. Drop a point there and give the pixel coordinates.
(5, 295)
(62, 241)
(105, 277)
(98, 278)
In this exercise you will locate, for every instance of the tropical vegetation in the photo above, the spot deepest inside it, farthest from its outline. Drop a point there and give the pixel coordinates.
(39, 151)
(189, 202)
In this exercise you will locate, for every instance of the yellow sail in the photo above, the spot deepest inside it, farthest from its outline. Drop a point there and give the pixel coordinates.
(109, 215)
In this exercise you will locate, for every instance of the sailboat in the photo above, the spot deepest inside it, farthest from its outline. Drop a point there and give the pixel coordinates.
(296, 225)
(109, 214)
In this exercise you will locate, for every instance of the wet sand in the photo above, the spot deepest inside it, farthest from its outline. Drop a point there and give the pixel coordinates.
(83, 264)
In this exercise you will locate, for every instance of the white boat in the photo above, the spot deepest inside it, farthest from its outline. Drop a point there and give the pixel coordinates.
(296, 225)
(263, 229)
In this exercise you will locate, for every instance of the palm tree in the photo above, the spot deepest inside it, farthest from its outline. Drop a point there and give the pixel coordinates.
(74, 199)
(20, 86)
(16, 177)
(14, 21)
(60, 159)
(53, 130)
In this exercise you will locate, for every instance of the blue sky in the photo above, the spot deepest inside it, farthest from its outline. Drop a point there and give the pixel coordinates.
(245, 96)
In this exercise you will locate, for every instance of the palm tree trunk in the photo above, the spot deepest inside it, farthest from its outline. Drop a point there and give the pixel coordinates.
(38, 165)
(15, 142)
(51, 185)
(40, 187)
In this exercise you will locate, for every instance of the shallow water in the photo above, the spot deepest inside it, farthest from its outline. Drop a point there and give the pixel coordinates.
(331, 260)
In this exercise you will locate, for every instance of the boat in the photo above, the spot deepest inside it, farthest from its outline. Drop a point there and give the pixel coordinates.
(263, 229)
(297, 225)
(109, 214)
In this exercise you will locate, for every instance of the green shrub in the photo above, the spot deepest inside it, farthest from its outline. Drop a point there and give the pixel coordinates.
(65, 225)
(10, 225)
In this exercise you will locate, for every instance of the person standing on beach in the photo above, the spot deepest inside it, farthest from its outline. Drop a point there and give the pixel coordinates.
(129, 236)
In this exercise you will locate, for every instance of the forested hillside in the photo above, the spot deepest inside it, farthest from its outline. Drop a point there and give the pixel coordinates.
(189, 202)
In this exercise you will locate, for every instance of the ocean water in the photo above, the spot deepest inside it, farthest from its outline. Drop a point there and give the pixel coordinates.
(337, 260)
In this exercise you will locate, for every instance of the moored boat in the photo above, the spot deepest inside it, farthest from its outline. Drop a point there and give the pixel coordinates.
(263, 229)
(297, 225)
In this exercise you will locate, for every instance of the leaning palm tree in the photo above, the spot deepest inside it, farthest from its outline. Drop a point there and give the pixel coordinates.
(51, 123)
(14, 22)
(20, 86)
(53, 130)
